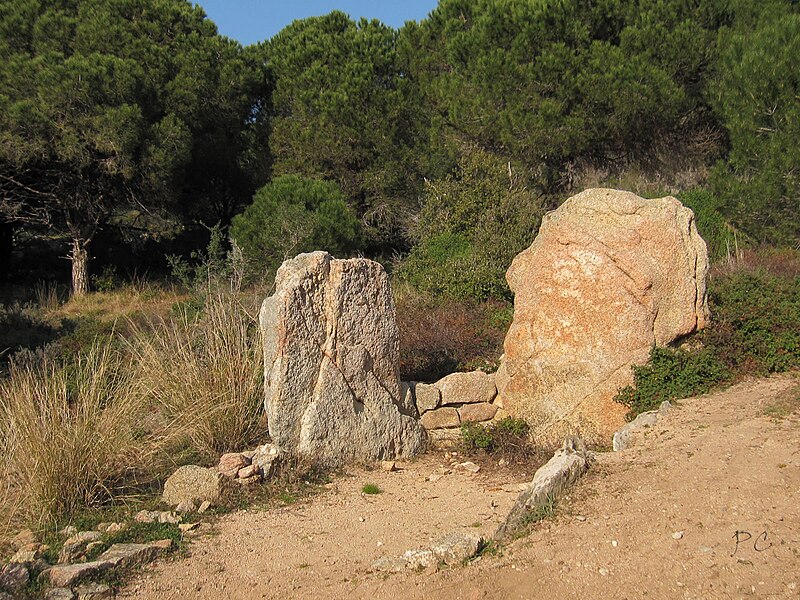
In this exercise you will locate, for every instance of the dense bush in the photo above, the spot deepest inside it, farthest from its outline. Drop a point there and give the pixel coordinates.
(756, 326)
(439, 338)
(471, 225)
(293, 215)
(507, 437)
(718, 234)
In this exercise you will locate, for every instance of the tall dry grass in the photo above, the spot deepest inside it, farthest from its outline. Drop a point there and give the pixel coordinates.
(205, 374)
(71, 435)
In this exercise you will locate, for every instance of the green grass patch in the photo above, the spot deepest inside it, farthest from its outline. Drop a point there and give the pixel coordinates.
(371, 489)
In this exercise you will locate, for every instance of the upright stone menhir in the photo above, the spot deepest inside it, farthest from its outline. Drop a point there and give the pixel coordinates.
(609, 275)
(331, 363)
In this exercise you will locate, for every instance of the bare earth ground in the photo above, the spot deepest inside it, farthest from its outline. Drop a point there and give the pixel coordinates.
(716, 465)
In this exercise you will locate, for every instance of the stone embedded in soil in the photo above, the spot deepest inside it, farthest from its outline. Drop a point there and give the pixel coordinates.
(192, 482)
(477, 413)
(549, 482)
(253, 479)
(59, 593)
(94, 591)
(441, 418)
(420, 558)
(147, 516)
(456, 547)
(204, 507)
(390, 564)
(467, 388)
(119, 555)
(469, 466)
(14, 577)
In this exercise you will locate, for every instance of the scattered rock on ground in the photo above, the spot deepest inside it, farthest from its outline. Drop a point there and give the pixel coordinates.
(118, 556)
(192, 482)
(75, 546)
(14, 577)
(25, 537)
(59, 593)
(93, 591)
(565, 468)
(229, 464)
(331, 356)
(622, 437)
(29, 553)
(609, 275)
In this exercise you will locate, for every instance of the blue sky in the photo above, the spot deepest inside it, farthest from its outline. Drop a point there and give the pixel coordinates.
(251, 21)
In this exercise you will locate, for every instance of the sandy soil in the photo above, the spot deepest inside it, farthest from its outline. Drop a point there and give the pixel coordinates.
(659, 520)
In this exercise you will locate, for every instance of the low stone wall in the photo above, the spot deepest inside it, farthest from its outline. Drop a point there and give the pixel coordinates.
(458, 398)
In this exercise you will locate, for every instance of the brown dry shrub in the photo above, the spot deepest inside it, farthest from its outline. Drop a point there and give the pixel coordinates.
(440, 337)
(779, 262)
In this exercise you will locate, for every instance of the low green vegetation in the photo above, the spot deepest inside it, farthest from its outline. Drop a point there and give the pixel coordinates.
(371, 489)
(755, 330)
(506, 439)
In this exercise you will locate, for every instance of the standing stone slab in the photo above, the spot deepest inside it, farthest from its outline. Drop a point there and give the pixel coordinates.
(608, 276)
(331, 356)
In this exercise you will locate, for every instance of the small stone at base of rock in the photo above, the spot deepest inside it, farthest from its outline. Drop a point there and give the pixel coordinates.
(169, 517)
(249, 480)
(388, 466)
(14, 577)
(146, 516)
(186, 527)
(93, 591)
(204, 507)
(248, 471)
(24, 538)
(69, 530)
(93, 546)
(186, 506)
(59, 594)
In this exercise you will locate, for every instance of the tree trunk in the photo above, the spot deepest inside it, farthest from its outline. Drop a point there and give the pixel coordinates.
(80, 267)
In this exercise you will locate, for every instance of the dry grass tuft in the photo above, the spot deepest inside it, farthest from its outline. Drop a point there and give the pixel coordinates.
(206, 375)
(71, 436)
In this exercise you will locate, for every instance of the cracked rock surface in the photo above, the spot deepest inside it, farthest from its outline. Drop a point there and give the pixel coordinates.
(609, 275)
(331, 356)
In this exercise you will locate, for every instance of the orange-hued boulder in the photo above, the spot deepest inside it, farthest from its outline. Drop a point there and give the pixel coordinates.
(609, 275)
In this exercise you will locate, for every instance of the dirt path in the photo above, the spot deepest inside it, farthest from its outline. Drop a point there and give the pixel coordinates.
(715, 466)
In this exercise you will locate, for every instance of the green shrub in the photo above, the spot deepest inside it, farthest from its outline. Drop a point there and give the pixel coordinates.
(471, 225)
(293, 215)
(712, 226)
(756, 322)
(672, 374)
(371, 489)
(507, 437)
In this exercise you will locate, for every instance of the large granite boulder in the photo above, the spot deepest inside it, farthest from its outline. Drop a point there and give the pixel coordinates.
(609, 275)
(331, 363)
